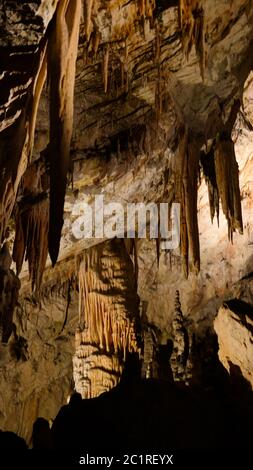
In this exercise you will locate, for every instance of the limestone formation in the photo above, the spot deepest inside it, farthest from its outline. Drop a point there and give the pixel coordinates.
(149, 353)
(63, 47)
(138, 101)
(108, 318)
(180, 353)
(36, 364)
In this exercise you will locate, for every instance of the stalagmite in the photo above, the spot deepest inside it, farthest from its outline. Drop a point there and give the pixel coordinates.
(62, 65)
(149, 351)
(180, 353)
(108, 312)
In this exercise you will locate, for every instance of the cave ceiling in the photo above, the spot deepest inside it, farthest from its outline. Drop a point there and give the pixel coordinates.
(155, 83)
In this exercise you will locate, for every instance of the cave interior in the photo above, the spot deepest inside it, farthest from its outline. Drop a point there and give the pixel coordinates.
(118, 114)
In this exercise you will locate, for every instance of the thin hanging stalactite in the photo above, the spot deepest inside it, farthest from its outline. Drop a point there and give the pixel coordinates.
(227, 176)
(208, 167)
(88, 6)
(106, 68)
(131, 245)
(221, 173)
(62, 65)
(180, 197)
(190, 181)
(20, 146)
(31, 239)
(158, 241)
(186, 191)
(192, 25)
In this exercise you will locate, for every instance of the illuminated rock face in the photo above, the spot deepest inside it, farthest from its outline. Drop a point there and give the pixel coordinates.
(95, 372)
(138, 88)
(108, 318)
(36, 364)
(234, 327)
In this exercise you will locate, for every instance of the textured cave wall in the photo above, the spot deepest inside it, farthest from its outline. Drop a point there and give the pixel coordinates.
(22, 74)
(148, 57)
(36, 364)
(233, 326)
(138, 80)
(223, 264)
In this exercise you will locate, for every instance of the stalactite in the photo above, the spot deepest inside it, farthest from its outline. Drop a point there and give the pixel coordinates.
(199, 39)
(62, 66)
(31, 239)
(131, 245)
(190, 181)
(106, 68)
(158, 241)
(142, 8)
(184, 241)
(20, 147)
(186, 189)
(180, 197)
(158, 89)
(208, 166)
(227, 175)
(136, 264)
(157, 43)
(146, 8)
(150, 7)
(192, 24)
(221, 173)
(37, 90)
(88, 6)
(95, 42)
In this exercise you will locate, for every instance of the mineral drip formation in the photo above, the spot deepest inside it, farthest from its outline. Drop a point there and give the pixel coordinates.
(107, 318)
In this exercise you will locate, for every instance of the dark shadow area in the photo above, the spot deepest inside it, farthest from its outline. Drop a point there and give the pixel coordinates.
(152, 415)
(240, 307)
(9, 440)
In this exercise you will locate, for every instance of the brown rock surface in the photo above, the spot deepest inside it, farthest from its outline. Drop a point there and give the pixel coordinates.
(234, 327)
(139, 82)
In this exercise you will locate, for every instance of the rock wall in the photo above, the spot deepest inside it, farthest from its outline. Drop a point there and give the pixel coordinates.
(234, 327)
(145, 81)
(36, 364)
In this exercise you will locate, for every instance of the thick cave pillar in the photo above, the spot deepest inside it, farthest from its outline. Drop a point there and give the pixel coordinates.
(108, 318)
